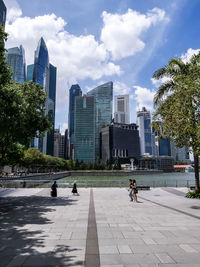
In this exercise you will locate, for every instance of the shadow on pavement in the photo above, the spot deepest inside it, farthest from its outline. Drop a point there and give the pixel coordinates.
(25, 230)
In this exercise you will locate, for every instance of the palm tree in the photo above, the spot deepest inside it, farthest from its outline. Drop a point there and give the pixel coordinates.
(188, 73)
(175, 68)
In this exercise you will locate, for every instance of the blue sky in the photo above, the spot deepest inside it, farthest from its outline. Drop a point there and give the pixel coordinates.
(96, 41)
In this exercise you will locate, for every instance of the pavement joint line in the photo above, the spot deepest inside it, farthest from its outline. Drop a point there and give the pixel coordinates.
(174, 209)
(92, 257)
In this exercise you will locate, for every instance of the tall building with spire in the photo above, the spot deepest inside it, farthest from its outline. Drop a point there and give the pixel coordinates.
(122, 113)
(15, 58)
(3, 11)
(43, 73)
(103, 96)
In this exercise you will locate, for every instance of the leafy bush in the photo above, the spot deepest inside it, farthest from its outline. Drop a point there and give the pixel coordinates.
(193, 194)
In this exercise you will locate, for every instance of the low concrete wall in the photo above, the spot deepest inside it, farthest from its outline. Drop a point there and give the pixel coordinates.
(38, 176)
(113, 173)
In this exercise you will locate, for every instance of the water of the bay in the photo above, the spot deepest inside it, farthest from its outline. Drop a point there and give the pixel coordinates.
(153, 180)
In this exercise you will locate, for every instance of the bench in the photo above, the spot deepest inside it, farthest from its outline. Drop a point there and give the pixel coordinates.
(143, 187)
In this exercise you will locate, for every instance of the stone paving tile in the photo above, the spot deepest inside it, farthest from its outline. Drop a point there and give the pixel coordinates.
(108, 250)
(164, 258)
(79, 235)
(52, 232)
(187, 248)
(123, 249)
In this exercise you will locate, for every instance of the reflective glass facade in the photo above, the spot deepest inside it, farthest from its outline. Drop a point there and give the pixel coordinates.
(103, 96)
(51, 107)
(74, 91)
(164, 147)
(41, 76)
(16, 60)
(29, 75)
(45, 74)
(84, 129)
(2, 13)
(41, 65)
(144, 123)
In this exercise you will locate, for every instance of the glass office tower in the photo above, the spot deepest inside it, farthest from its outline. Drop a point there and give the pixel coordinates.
(29, 73)
(144, 123)
(15, 58)
(41, 76)
(2, 13)
(74, 91)
(43, 73)
(51, 107)
(84, 129)
(103, 96)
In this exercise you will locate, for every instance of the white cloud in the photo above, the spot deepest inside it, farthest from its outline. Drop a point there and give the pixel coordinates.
(190, 52)
(77, 57)
(120, 88)
(63, 127)
(157, 83)
(122, 33)
(13, 10)
(144, 97)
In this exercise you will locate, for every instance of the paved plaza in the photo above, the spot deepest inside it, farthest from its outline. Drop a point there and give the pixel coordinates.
(101, 227)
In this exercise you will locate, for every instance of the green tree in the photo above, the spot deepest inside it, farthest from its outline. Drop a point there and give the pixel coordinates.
(22, 111)
(177, 105)
(108, 165)
(117, 165)
(70, 164)
(90, 166)
(76, 165)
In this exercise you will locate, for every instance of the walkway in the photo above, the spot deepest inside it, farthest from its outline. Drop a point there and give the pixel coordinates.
(101, 227)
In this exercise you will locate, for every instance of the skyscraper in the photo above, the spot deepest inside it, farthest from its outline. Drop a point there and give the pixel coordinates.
(59, 144)
(122, 113)
(43, 73)
(2, 13)
(120, 140)
(74, 91)
(103, 96)
(144, 123)
(179, 154)
(51, 107)
(29, 74)
(15, 58)
(84, 129)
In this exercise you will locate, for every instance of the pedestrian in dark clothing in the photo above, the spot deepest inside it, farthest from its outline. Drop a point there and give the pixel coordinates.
(130, 189)
(135, 190)
(74, 189)
(54, 189)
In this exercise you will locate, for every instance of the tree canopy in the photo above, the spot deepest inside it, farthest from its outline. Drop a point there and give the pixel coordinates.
(177, 104)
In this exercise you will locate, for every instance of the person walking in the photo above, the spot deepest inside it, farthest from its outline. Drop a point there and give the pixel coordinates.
(130, 189)
(74, 189)
(54, 189)
(135, 190)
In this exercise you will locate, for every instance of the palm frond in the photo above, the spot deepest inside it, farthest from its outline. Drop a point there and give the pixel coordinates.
(163, 90)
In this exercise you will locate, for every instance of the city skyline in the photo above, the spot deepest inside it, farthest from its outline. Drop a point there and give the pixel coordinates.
(93, 53)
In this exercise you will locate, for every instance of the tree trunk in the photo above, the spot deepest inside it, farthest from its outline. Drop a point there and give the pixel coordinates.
(196, 170)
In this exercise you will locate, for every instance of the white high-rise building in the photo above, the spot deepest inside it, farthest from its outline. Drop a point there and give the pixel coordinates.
(122, 113)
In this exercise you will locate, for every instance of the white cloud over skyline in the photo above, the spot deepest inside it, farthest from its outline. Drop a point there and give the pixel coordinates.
(144, 97)
(81, 57)
(122, 33)
(76, 57)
